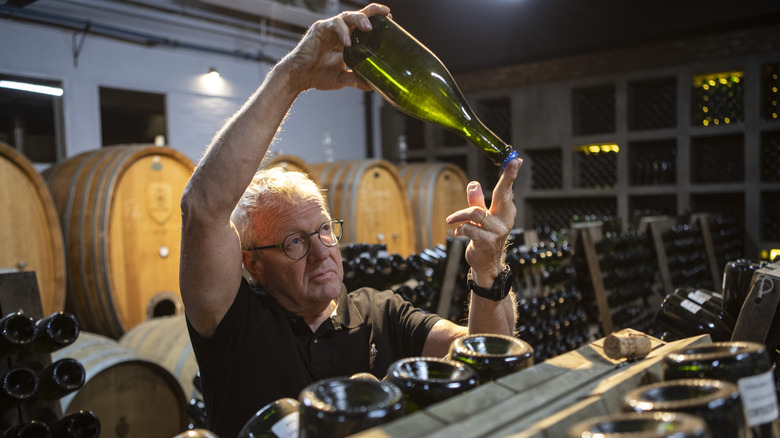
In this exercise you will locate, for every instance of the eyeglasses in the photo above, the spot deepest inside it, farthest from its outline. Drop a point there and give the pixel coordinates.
(297, 245)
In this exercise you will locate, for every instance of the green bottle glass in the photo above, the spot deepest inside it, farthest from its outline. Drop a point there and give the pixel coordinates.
(412, 79)
(60, 378)
(491, 355)
(429, 380)
(340, 406)
(81, 424)
(746, 364)
(642, 425)
(278, 419)
(54, 332)
(715, 401)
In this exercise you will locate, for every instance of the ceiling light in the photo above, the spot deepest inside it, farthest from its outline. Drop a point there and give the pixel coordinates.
(34, 88)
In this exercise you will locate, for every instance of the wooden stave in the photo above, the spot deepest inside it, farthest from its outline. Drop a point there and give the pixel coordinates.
(166, 341)
(84, 187)
(107, 363)
(343, 181)
(49, 263)
(422, 182)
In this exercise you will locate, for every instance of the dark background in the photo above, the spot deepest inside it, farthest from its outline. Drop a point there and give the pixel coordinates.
(473, 35)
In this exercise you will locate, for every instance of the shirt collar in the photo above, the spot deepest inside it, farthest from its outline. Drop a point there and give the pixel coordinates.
(347, 314)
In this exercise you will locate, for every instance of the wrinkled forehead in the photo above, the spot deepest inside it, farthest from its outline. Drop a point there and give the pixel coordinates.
(282, 218)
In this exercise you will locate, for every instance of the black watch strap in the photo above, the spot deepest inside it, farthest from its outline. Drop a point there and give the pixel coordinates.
(500, 289)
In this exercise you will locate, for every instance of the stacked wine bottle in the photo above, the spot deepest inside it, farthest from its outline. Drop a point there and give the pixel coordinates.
(418, 278)
(551, 317)
(686, 257)
(628, 266)
(727, 241)
(30, 382)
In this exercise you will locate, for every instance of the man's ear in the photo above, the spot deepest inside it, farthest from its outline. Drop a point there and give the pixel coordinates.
(253, 267)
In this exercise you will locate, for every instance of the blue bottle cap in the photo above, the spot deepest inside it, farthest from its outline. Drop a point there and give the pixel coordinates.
(512, 155)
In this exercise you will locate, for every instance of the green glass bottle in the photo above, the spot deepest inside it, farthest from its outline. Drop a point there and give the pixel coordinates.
(642, 425)
(745, 364)
(278, 419)
(80, 424)
(415, 81)
(340, 406)
(429, 380)
(60, 378)
(717, 402)
(54, 332)
(491, 355)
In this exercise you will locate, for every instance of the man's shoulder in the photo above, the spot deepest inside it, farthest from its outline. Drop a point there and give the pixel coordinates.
(369, 294)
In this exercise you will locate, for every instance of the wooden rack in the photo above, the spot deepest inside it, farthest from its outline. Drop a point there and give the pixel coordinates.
(658, 226)
(591, 233)
(542, 401)
(703, 220)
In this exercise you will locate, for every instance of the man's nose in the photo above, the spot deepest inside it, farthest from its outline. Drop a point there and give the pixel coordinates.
(318, 249)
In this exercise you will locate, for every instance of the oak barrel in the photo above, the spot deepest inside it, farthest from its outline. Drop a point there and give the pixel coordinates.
(165, 341)
(435, 190)
(132, 396)
(369, 196)
(121, 219)
(290, 163)
(30, 229)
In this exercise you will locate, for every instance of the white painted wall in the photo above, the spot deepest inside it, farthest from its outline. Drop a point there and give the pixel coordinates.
(194, 114)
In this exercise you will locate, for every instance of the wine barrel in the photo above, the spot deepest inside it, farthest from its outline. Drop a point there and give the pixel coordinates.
(120, 212)
(369, 196)
(165, 341)
(30, 232)
(290, 163)
(435, 190)
(132, 396)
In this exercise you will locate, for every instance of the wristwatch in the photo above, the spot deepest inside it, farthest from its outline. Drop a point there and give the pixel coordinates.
(500, 289)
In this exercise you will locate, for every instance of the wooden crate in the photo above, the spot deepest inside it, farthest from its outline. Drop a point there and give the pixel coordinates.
(542, 401)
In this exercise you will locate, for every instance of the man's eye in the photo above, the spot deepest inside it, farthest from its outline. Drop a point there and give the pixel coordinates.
(295, 241)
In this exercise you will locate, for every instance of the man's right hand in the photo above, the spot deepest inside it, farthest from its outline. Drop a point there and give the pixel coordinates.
(318, 62)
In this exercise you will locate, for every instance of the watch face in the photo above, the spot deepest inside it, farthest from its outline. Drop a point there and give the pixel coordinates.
(498, 291)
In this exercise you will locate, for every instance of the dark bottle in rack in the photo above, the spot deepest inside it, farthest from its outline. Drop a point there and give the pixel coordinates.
(706, 300)
(428, 380)
(60, 379)
(737, 276)
(684, 318)
(641, 425)
(412, 79)
(81, 424)
(339, 407)
(715, 401)
(28, 429)
(17, 386)
(278, 419)
(745, 364)
(55, 331)
(17, 331)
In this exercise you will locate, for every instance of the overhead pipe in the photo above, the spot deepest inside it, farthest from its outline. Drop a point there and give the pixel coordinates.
(78, 24)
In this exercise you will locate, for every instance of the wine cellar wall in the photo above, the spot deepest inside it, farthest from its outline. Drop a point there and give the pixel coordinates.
(701, 137)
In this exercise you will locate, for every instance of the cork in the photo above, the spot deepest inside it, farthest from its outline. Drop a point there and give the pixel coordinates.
(627, 346)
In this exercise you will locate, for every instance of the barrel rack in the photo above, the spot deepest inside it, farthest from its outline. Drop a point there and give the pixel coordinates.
(19, 292)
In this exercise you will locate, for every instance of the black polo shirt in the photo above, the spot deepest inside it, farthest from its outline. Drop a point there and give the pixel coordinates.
(260, 352)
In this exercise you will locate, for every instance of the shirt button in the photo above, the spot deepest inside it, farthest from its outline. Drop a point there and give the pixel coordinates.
(316, 340)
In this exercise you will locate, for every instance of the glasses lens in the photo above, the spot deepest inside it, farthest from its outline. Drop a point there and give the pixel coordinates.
(330, 232)
(296, 245)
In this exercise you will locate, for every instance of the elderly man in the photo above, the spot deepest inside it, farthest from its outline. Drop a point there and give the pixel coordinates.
(256, 343)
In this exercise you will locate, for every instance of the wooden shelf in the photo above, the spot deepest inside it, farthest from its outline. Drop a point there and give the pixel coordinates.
(542, 401)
